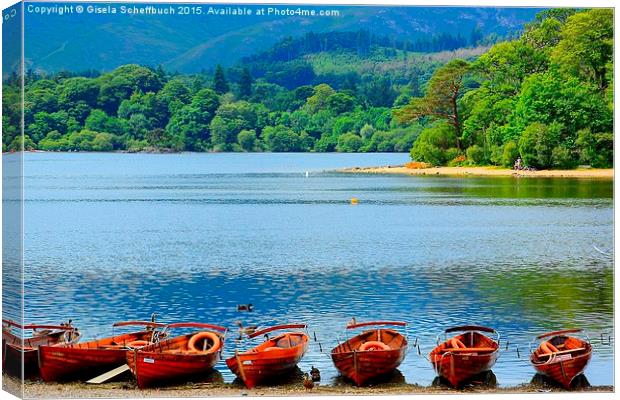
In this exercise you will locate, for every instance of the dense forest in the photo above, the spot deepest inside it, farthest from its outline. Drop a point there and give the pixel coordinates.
(546, 96)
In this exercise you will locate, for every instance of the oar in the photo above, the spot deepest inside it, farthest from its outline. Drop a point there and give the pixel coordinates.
(109, 375)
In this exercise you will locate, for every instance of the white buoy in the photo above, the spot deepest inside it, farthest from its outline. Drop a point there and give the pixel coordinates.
(306, 174)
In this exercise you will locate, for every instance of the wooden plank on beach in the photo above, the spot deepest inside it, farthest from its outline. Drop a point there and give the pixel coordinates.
(109, 375)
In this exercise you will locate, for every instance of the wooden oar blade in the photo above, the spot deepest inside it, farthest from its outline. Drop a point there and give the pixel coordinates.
(109, 375)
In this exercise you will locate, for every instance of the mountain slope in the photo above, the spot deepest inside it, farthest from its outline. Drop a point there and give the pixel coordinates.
(190, 43)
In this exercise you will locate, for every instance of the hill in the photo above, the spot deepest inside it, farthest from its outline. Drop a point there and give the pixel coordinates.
(191, 43)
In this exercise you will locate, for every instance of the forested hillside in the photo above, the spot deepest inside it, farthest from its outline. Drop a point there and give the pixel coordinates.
(545, 96)
(198, 40)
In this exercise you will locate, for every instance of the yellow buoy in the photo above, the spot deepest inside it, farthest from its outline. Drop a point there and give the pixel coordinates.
(354, 200)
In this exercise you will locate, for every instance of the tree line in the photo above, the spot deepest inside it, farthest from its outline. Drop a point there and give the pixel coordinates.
(546, 97)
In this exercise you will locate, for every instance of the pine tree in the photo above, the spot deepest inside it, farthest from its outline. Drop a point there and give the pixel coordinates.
(220, 84)
(245, 83)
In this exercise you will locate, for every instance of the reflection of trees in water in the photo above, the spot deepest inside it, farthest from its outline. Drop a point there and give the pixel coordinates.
(525, 188)
(552, 296)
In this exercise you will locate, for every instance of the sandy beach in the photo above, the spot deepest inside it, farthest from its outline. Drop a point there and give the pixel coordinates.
(589, 173)
(38, 389)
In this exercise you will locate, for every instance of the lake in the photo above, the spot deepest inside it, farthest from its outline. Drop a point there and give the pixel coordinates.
(111, 237)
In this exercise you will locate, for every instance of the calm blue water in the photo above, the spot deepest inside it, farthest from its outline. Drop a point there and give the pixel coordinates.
(119, 236)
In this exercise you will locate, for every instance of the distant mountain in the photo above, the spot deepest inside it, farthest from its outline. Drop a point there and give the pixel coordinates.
(191, 43)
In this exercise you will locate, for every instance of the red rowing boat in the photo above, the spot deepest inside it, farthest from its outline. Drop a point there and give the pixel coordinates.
(89, 359)
(274, 357)
(372, 353)
(186, 356)
(17, 348)
(561, 357)
(465, 355)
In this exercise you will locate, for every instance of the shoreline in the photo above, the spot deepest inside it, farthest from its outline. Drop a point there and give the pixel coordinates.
(124, 389)
(588, 173)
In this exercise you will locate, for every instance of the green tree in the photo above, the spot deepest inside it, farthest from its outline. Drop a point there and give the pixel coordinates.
(78, 90)
(349, 143)
(247, 140)
(220, 84)
(339, 103)
(121, 83)
(537, 143)
(587, 45)
(231, 119)
(440, 101)
(245, 83)
(282, 139)
(318, 101)
(434, 144)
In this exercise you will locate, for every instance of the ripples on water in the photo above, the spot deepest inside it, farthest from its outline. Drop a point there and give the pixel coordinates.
(111, 237)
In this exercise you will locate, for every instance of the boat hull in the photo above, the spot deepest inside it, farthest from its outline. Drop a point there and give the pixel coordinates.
(66, 363)
(151, 369)
(172, 360)
(16, 351)
(265, 363)
(564, 372)
(459, 367)
(573, 356)
(85, 360)
(363, 366)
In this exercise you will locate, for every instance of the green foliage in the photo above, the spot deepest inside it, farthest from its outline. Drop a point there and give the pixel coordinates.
(339, 103)
(318, 101)
(434, 144)
(441, 99)
(283, 139)
(587, 45)
(475, 154)
(595, 149)
(122, 83)
(546, 96)
(231, 119)
(247, 140)
(562, 158)
(510, 153)
(220, 84)
(85, 140)
(349, 143)
(245, 84)
(537, 143)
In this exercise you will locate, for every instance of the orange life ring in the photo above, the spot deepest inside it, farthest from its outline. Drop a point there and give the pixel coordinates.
(457, 344)
(548, 348)
(373, 345)
(215, 339)
(138, 343)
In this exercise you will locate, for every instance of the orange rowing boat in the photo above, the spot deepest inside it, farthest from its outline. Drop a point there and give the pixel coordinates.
(89, 359)
(561, 357)
(274, 357)
(372, 353)
(181, 357)
(18, 349)
(465, 355)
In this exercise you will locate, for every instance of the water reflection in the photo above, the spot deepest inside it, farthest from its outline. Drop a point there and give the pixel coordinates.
(110, 237)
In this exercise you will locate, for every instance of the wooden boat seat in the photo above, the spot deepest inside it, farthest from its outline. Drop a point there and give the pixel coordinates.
(469, 350)
(562, 352)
